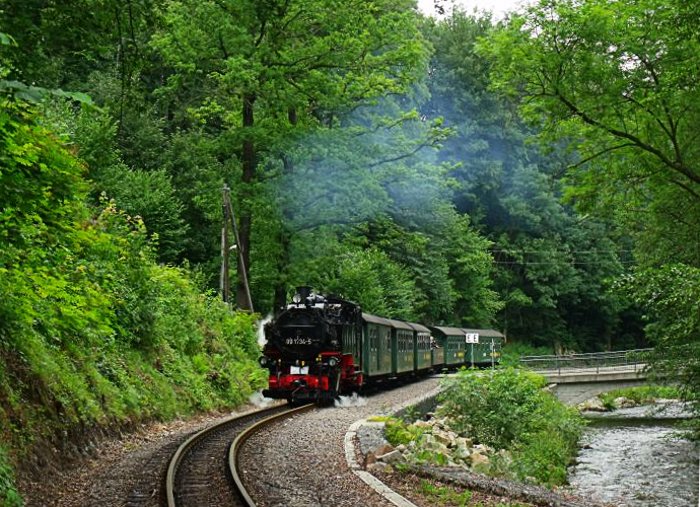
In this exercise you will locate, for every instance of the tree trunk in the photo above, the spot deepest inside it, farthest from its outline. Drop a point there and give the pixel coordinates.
(285, 236)
(244, 229)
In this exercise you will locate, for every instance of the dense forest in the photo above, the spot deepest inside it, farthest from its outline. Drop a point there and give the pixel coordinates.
(536, 174)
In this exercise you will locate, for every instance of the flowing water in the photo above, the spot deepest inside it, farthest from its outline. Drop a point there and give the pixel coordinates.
(634, 457)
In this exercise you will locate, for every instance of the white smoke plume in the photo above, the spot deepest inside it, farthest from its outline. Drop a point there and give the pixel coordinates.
(259, 400)
(350, 401)
(261, 330)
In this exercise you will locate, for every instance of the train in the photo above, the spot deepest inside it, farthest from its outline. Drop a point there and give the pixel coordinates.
(320, 347)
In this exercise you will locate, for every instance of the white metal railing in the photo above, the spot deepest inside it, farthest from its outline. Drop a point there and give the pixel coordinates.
(621, 359)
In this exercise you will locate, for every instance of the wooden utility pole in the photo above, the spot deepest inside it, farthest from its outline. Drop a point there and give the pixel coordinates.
(226, 247)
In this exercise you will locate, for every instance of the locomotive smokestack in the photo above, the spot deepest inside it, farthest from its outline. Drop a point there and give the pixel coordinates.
(304, 292)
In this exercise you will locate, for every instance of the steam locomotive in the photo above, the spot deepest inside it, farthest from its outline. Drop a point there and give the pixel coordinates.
(320, 347)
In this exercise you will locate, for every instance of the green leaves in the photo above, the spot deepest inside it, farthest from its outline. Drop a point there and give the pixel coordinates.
(507, 409)
(92, 329)
(547, 272)
(36, 94)
(670, 296)
(612, 80)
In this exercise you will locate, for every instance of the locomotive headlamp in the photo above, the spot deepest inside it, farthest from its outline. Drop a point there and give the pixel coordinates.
(263, 361)
(333, 362)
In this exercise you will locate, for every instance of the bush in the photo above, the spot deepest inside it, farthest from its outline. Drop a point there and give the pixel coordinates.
(513, 351)
(93, 331)
(507, 409)
(641, 395)
(398, 432)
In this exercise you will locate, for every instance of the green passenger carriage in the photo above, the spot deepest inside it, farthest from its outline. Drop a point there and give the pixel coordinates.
(402, 347)
(452, 340)
(488, 349)
(377, 346)
(422, 358)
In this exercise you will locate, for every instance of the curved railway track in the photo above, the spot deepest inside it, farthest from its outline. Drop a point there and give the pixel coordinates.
(204, 469)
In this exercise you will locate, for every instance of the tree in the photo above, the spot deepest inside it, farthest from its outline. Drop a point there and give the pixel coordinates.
(552, 266)
(256, 71)
(616, 81)
(671, 297)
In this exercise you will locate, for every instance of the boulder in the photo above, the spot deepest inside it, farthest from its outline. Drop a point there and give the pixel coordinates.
(622, 402)
(444, 437)
(391, 457)
(480, 462)
(383, 449)
(464, 442)
(380, 468)
(592, 405)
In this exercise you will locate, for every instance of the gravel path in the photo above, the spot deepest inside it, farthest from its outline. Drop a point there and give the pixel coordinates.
(301, 462)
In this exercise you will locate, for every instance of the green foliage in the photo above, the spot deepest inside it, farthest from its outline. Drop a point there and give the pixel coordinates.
(9, 497)
(398, 432)
(613, 81)
(671, 297)
(552, 282)
(368, 277)
(641, 395)
(444, 495)
(507, 409)
(92, 329)
(513, 351)
(151, 196)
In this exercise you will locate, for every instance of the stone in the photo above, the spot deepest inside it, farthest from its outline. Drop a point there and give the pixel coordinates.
(479, 462)
(383, 449)
(622, 402)
(592, 405)
(437, 447)
(444, 437)
(461, 452)
(391, 457)
(464, 442)
(380, 468)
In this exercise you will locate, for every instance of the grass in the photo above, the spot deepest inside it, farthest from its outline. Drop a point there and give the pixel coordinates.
(443, 495)
(642, 395)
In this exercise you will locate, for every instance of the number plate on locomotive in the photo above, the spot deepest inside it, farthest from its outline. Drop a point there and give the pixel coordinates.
(297, 341)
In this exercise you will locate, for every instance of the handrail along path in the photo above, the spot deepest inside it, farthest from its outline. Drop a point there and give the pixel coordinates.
(635, 360)
(196, 476)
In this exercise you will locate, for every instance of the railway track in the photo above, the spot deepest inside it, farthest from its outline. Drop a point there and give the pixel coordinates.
(204, 469)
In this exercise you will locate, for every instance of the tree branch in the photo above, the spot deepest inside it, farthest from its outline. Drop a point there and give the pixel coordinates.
(676, 166)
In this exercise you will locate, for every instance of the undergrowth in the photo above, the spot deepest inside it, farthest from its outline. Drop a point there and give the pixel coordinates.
(641, 395)
(93, 330)
(507, 409)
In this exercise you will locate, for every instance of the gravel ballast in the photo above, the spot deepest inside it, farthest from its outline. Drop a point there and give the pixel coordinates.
(308, 454)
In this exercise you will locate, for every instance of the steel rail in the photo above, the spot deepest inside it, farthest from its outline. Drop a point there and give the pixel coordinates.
(182, 451)
(236, 445)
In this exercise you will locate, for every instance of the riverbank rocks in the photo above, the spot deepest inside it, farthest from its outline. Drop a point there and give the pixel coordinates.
(592, 405)
(437, 444)
(622, 402)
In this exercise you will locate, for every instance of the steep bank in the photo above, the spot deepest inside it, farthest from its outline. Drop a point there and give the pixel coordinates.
(95, 335)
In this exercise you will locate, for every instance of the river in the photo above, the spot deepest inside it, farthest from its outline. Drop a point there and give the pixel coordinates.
(633, 457)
